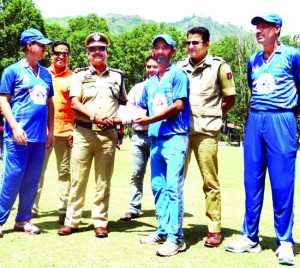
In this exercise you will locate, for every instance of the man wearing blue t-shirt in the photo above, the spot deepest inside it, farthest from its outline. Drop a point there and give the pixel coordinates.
(166, 96)
(26, 102)
(271, 138)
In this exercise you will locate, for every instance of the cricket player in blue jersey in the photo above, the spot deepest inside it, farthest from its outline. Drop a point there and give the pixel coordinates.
(271, 138)
(26, 102)
(166, 96)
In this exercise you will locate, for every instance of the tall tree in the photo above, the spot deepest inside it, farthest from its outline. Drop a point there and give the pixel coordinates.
(15, 17)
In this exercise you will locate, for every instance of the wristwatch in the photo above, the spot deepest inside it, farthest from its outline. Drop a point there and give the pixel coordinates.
(92, 117)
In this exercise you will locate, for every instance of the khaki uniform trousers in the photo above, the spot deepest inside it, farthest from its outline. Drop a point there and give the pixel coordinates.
(89, 145)
(63, 158)
(205, 149)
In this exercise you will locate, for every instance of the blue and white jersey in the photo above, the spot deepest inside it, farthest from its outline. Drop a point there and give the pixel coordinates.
(29, 97)
(273, 82)
(158, 94)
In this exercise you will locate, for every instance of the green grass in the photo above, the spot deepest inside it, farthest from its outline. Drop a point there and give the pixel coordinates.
(122, 247)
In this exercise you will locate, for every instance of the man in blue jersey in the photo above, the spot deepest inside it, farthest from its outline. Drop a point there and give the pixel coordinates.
(166, 96)
(271, 138)
(26, 102)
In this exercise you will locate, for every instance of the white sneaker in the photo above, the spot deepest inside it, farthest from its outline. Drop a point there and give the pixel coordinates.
(169, 248)
(285, 253)
(244, 244)
(27, 227)
(152, 239)
(1, 232)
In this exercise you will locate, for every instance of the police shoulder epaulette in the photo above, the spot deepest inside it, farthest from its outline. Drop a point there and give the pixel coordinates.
(77, 70)
(182, 62)
(115, 70)
(218, 59)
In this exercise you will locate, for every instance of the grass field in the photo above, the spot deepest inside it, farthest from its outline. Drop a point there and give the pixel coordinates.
(122, 247)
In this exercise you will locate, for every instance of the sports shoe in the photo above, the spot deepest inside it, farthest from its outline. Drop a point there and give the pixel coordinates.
(153, 239)
(244, 244)
(1, 232)
(27, 227)
(169, 248)
(285, 253)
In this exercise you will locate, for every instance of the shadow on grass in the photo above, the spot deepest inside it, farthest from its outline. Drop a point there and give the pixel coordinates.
(47, 221)
(195, 234)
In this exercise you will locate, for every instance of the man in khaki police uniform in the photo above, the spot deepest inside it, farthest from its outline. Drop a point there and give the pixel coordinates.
(212, 94)
(96, 92)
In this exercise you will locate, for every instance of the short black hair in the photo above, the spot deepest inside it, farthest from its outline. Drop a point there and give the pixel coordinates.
(149, 57)
(200, 30)
(57, 43)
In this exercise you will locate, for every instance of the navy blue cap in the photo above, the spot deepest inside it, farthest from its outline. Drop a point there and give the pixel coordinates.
(271, 18)
(33, 35)
(169, 40)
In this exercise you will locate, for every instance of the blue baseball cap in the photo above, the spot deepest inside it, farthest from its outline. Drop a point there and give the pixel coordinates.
(33, 35)
(271, 18)
(168, 39)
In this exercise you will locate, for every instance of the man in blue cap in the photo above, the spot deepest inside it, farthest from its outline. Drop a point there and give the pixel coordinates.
(166, 96)
(26, 102)
(271, 138)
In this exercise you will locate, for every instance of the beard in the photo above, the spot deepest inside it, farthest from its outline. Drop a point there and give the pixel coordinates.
(162, 58)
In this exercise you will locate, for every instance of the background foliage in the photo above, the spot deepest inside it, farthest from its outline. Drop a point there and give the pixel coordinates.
(131, 38)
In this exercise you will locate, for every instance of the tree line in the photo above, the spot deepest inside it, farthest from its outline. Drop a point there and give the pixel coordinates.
(128, 50)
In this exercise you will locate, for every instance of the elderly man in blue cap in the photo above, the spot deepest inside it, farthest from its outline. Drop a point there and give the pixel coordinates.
(271, 138)
(166, 96)
(26, 102)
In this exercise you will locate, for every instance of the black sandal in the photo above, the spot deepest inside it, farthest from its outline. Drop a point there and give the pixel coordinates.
(128, 216)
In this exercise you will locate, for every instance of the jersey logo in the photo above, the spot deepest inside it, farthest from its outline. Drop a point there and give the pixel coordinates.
(265, 84)
(38, 94)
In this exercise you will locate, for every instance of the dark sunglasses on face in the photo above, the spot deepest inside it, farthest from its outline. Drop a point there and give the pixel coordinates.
(95, 48)
(194, 43)
(58, 54)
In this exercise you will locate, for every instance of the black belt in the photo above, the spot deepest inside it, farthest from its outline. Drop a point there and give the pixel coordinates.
(143, 132)
(88, 125)
(84, 124)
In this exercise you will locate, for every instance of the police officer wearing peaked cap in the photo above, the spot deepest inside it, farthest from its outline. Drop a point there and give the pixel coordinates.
(96, 92)
(95, 39)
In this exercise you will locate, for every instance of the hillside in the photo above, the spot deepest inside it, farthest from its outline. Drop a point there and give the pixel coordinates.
(121, 23)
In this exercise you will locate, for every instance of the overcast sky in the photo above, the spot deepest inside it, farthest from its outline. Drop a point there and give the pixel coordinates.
(237, 12)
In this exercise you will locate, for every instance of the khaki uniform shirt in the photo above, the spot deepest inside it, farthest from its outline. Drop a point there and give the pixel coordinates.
(100, 93)
(210, 80)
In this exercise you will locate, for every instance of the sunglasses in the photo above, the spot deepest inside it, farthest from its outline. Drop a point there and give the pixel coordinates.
(194, 43)
(58, 54)
(95, 48)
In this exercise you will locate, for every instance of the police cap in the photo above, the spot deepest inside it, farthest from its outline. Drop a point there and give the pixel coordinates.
(96, 39)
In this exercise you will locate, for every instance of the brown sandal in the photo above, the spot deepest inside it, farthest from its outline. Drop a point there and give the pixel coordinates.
(128, 216)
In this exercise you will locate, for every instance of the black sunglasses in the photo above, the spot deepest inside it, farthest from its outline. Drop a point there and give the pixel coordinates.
(58, 54)
(95, 48)
(194, 43)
